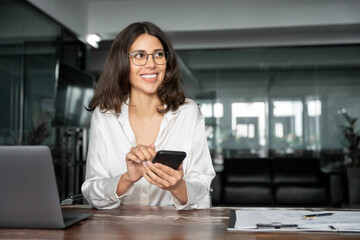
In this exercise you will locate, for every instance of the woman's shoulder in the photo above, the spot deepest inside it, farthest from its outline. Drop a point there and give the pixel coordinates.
(191, 102)
(102, 113)
(98, 111)
(189, 106)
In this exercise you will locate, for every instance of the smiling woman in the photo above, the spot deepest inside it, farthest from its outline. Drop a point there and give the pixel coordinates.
(146, 75)
(114, 84)
(139, 109)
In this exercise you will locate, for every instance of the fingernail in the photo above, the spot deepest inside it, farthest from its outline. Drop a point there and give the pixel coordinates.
(149, 163)
(155, 164)
(144, 164)
(138, 161)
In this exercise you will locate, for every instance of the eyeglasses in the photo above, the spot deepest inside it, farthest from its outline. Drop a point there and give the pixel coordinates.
(140, 58)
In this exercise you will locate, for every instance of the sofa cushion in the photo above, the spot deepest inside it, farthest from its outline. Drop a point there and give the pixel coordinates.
(250, 170)
(301, 196)
(296, 170)
(248, 195)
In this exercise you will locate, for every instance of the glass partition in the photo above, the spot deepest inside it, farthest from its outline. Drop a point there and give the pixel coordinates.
(31, 45)
(27, 59)
(274, 101)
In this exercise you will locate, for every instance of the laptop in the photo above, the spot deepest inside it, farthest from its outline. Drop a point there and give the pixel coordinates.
(28, 192)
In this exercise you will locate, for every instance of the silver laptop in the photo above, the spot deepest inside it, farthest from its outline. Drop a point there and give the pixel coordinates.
(28, 192)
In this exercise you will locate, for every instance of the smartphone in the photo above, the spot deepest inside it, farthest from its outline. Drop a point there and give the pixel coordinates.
(172, 159)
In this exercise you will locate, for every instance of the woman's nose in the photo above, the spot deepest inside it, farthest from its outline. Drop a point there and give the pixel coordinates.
(150, 62)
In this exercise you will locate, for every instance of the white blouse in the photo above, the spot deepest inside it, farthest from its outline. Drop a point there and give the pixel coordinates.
(112, 137)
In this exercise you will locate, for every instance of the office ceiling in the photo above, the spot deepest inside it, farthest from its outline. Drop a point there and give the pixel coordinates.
(212, 35)
(194, 24)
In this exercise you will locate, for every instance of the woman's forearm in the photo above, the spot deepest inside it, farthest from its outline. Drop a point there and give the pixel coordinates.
(180, 192)
(124, 184)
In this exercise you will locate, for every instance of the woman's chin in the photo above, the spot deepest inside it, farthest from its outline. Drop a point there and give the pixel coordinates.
(146, 91)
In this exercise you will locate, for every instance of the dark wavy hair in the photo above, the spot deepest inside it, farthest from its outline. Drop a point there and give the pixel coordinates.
(113, 87)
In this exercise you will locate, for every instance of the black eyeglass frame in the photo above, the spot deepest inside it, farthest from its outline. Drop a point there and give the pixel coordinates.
(147, 57)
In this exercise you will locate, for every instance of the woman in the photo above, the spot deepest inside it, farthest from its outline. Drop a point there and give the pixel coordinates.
(138, 109)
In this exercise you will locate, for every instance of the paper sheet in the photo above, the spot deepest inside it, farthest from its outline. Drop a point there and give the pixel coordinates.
(339, 221)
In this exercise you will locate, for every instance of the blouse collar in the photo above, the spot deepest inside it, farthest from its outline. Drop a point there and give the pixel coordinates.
(124, 115)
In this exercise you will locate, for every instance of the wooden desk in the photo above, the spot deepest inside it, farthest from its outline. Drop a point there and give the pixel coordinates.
(158, 223)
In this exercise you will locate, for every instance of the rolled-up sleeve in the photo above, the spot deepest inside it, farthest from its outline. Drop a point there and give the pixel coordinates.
(99, 188)
(199, 170)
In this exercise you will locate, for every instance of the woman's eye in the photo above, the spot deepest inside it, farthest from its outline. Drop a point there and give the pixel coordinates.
(159, 54)
(139, 55)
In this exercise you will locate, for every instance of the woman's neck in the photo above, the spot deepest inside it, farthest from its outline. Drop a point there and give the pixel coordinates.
(144, 105)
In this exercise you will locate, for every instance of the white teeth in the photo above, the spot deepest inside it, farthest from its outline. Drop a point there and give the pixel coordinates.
(149, 76)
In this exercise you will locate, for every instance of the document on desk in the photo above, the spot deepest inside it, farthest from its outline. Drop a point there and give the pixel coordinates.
(294, 220)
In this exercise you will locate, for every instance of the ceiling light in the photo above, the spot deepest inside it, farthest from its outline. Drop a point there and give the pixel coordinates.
(93, 40)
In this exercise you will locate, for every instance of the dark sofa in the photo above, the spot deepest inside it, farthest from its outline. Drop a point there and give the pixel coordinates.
(278, 182)
(247, 181)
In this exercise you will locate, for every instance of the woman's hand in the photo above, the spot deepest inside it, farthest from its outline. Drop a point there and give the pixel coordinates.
(134, 159)
(166, 178)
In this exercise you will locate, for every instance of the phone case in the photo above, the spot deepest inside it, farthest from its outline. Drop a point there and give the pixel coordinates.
(172, 159)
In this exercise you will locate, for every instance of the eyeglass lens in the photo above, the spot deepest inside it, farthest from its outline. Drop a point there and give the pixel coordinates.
(140, 57)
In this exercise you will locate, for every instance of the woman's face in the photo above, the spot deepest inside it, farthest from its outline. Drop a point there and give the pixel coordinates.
(147, 78)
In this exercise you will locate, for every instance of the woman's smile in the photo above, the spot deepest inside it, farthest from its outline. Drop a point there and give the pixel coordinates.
(149, 77)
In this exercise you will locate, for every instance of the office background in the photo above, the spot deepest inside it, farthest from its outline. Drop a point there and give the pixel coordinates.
(273, 79)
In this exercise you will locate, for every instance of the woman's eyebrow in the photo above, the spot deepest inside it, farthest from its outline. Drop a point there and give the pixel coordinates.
(141, 50)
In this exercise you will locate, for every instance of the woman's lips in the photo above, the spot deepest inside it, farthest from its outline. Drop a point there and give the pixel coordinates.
(149, 77)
